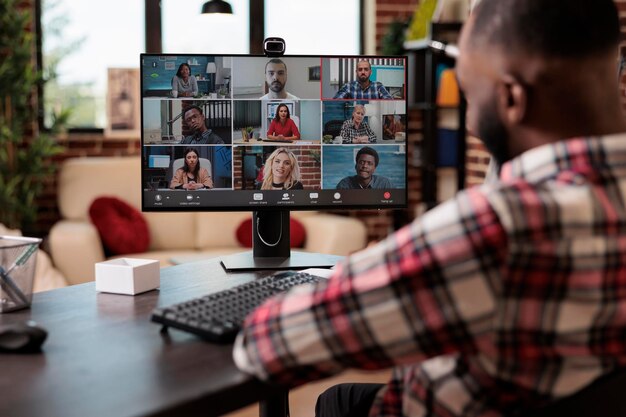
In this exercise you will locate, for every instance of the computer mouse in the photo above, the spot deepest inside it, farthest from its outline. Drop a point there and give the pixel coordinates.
(24, 337)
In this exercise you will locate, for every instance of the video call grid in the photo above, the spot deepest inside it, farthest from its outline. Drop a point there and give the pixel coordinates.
(321, 145)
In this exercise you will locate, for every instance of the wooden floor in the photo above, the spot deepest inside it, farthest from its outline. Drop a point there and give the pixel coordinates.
(302, 399)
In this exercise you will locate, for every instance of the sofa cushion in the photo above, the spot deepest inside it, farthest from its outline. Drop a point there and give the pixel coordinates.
(122, 228)
(297, 233)
(217, 230)
(81, 180)
(172, 231)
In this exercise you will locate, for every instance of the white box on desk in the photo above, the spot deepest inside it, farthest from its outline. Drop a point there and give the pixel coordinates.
(127, 275)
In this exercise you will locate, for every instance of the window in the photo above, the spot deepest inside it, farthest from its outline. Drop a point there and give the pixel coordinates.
(186, 30)
(315, 27)
(81, 39)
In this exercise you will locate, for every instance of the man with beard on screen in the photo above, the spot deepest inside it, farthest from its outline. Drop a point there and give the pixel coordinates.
(510, 296)
(363, 87)
(276, 79)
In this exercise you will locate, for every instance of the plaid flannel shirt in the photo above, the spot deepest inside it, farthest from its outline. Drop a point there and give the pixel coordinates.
(349, 131)
(353, 90)
(507, 296)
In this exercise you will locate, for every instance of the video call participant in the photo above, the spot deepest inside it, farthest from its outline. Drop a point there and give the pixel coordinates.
(356, 129)
(281, 171)
(366, 163)
(276, 78)
(389, 127)
(191, 176)
(510, 295)
(282, 127)
(362, 87)
(183, 83)
(202, 135)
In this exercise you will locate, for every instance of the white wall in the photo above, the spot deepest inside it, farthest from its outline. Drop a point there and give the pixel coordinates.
(310, 119)
(249, 77)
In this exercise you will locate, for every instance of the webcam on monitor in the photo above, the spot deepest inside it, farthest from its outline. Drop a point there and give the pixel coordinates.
(274, 46)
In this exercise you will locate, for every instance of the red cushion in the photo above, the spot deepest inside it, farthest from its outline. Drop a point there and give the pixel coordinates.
(122, 227)
(297, 234)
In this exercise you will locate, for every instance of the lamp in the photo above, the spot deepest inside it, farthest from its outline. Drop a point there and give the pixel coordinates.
(217, 6)
(211, 69)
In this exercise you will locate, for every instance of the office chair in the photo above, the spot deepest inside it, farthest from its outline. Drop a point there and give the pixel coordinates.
(178, 163)
(296, 120)
(604, 397)
(333, 127)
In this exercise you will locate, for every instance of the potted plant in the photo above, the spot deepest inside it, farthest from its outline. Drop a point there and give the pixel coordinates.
(25, 154)
(246, 133)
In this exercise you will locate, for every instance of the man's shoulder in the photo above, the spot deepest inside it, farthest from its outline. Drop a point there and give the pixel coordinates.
(211, 137)
(289, 97)
(347, 182)
(381, 181)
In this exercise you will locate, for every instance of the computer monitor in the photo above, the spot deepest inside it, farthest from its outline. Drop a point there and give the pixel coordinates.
(271, 135)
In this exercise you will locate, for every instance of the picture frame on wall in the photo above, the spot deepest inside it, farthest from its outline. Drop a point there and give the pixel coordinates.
(123, 103)
(314, 73)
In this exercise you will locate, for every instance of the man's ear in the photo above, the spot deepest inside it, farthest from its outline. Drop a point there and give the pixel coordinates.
(512, 99)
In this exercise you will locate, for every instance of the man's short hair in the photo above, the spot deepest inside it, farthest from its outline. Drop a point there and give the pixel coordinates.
(555, 28)
(364, 60)
(275, 61)
(366, 150)
(191, 108)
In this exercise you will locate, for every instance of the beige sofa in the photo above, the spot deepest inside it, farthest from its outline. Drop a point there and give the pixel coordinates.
(75, 244)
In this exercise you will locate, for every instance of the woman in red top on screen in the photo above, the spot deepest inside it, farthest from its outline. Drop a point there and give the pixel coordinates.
(281, 171)
(282, 127)
(191, 176)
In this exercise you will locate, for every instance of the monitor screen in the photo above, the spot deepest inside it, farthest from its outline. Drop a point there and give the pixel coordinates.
(234, 132)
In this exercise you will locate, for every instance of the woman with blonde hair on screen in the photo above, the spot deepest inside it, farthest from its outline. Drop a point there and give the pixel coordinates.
(281, 171)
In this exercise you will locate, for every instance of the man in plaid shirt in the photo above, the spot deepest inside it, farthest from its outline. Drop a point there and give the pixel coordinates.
(362, 87)
(511, 295)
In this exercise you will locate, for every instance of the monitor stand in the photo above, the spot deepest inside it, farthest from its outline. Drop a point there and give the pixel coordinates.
(271, 249)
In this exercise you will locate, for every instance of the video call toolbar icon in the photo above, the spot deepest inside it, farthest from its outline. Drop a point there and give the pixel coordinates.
(314, 196)
(257, 196)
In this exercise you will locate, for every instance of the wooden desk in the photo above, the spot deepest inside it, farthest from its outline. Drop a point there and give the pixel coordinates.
(240, 141)
(104, 357)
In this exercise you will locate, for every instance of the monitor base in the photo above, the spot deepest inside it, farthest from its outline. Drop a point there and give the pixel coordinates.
(245, 261)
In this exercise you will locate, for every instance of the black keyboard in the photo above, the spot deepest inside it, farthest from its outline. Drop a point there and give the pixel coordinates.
(218, 317)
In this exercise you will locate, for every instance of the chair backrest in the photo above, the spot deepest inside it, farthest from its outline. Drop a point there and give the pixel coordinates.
(296, 120)
(604, 397)
(178, 163)
(333, 127)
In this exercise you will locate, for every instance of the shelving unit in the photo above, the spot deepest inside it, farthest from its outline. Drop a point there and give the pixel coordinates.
(424, 61)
